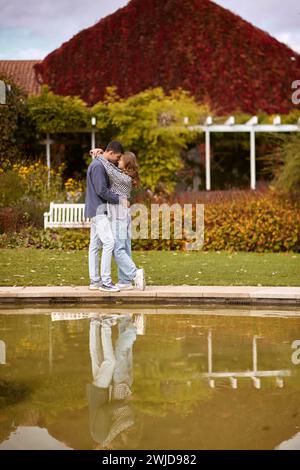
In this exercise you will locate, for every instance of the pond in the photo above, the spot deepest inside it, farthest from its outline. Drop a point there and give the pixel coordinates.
(149, 378)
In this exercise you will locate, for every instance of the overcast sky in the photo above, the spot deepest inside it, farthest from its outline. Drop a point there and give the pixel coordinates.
(30, 29)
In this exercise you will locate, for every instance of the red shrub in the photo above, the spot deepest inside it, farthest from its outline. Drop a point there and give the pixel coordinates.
(11, 220)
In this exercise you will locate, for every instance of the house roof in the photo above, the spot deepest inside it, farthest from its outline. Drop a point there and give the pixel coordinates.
(22, 73)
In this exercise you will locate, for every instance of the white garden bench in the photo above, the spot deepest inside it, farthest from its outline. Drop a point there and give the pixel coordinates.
(65, 216)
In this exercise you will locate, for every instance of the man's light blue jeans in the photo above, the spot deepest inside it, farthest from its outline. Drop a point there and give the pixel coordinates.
(101, 235)
(109, 364)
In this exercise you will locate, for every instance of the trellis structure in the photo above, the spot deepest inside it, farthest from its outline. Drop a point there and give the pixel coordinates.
(252, 126)
(256, 375)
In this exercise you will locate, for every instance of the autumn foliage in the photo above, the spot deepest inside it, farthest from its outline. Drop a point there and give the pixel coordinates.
(260, 222)
(198, 45)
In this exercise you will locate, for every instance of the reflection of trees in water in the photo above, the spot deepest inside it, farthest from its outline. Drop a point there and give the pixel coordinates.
(12, 393)
(39, 393)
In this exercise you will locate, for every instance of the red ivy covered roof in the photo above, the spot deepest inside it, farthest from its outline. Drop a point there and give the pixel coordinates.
(22, 74)
(194, 44)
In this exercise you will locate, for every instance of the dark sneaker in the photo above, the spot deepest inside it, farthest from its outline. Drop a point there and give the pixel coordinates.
(109, 288)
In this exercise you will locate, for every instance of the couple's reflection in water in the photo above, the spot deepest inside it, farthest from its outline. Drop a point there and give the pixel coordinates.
(114, 422)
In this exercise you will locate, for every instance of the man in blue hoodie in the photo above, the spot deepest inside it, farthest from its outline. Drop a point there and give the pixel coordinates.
(98, 193)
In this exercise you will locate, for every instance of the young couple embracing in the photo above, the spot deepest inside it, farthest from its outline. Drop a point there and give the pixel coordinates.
(111, 176)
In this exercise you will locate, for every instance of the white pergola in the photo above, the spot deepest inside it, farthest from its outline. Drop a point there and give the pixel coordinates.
(252, 126)
(255, 374)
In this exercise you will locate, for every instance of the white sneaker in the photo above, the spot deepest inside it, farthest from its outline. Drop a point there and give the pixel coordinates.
(105, 319)
(140, 324)
(139, 279)
(95, 285)
(124, 286)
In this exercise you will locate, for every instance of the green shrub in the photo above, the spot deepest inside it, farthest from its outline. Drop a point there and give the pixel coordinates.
(55, 113)
(25, 195)
(12, 188)
(35, 182)
(11, 117)
(282, 163)
(288, 178)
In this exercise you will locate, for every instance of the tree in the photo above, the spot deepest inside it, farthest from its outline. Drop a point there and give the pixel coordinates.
(10, 117)
(151, 124)
(53, 113)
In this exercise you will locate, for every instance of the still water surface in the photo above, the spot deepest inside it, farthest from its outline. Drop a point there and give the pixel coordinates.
(184, 379)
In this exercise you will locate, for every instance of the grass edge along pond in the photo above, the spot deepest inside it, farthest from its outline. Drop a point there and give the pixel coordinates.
(31, 266)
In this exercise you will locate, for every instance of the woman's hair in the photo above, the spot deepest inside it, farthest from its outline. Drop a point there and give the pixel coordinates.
(131, 168)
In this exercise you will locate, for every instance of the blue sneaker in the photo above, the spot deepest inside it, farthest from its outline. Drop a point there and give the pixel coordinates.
(109, 288)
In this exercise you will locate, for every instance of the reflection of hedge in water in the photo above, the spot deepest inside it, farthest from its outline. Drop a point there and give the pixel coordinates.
(235, 419)
(41, 357)
(12, 393)
(168, 368)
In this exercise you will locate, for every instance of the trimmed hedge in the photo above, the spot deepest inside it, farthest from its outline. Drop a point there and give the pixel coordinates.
(268, 223)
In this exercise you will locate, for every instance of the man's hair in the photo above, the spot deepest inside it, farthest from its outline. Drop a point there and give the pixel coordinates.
(115, 147)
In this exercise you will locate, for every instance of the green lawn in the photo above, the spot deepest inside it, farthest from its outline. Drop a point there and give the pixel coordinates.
(51, 267)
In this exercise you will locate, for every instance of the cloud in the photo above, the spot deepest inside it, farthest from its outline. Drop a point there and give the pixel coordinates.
(25, 54)
(280, 19)
(21, 44)
(292, 40)
(42, 16)
(50, 22)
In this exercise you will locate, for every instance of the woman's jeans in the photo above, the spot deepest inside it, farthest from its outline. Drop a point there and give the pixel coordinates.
(111, 365)
(121, 227)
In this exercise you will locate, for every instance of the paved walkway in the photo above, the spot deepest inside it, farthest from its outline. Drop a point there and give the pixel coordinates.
(251, 295)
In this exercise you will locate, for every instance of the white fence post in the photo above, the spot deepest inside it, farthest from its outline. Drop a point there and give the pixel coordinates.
(252, 159)
(2, 352)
